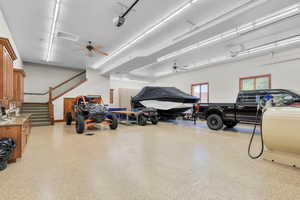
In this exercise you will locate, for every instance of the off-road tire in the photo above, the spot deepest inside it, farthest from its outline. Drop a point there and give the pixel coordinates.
(114, 122)
(80, 125)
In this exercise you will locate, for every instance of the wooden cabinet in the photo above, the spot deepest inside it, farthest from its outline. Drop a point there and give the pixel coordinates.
(18, 85)
(20, 131)
(7, 56)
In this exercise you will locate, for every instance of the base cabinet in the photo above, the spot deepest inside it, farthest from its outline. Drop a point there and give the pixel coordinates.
(19, 132)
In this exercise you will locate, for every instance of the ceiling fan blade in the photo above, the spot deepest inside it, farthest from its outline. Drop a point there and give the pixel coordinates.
(100, 52)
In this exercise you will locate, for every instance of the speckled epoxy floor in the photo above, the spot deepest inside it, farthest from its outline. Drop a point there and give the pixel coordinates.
(167, 161)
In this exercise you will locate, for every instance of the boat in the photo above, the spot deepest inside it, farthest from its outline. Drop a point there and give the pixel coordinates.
(170, 102)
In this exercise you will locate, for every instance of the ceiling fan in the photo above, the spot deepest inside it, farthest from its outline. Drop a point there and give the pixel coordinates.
(91, 49)
(176, 68)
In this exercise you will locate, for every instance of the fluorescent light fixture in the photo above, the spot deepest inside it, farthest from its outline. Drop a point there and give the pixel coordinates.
(281, 43)
(269, 19)
(53, 28)
(149, 30)
(263, 48)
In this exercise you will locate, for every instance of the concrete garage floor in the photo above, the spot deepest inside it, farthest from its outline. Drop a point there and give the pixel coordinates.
(168, 161)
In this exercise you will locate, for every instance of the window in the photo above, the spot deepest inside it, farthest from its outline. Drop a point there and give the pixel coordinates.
(256, 82)
(201, 90)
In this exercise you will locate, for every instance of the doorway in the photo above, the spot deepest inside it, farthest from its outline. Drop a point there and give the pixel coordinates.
(68, 104)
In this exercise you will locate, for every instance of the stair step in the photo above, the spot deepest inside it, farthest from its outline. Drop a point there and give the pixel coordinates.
(39, 119)
(24, 107)
(35, 108)
(35, 111)
(39, 116)
(36, 124)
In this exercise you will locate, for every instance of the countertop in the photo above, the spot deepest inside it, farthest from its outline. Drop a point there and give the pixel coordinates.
(15, 121)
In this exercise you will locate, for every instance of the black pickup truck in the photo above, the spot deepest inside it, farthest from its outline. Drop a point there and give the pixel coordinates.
(243, 111)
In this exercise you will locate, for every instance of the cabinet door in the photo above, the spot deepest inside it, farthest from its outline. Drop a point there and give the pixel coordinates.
(10, 74)
(21, 89)
(15, 133)
(5, 71)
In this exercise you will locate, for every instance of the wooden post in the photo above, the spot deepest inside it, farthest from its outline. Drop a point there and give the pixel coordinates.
(50, 106)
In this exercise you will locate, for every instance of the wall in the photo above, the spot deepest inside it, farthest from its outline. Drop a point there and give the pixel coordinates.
(119, 84)
(224, 79)
(4, 32)
(40, 77)
(95, 85)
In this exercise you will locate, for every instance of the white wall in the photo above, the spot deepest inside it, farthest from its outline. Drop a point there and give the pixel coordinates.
(95, 85)
(118, 84)
(4, 32)
(224, 79)
(40, 77)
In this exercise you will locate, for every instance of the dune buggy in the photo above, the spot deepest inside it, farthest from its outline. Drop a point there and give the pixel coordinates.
(88, 111)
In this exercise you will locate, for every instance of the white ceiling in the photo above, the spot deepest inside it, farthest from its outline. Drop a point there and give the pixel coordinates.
(30, 23)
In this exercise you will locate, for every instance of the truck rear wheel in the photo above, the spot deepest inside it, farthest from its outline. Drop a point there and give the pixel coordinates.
(230, 124)
(215, 122)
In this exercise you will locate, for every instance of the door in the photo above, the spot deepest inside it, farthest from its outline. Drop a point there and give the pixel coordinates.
(246, 107)
(68, 104)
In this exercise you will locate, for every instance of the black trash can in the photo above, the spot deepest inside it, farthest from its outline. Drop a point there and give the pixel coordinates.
(7, 146)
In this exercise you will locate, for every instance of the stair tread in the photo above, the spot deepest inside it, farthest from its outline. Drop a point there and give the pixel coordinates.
(42, 119)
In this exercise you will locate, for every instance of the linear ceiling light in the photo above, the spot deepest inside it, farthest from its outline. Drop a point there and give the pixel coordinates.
(53, 28)
(281, 43)
(267, 20)
(249, 52)
(149, 30)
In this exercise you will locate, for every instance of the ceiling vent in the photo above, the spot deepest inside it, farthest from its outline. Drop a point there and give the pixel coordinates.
(67, 36)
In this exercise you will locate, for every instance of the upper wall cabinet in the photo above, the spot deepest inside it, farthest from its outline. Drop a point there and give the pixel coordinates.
(19, 75)
(7, 57)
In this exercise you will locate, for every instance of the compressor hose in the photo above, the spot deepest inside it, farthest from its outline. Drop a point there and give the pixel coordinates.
(261, 137)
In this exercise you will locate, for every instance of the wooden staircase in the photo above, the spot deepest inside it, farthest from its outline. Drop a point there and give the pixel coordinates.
(39, 113)
(42, 110)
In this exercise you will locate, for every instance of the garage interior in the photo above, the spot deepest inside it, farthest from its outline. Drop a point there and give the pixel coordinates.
(139, 99)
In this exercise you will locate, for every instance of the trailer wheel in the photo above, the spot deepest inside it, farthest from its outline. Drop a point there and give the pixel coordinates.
(215, 122)
(230, 124)
(154, 120)
(80, 125)
(142, 120)
(68, 118)
(114, 122)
